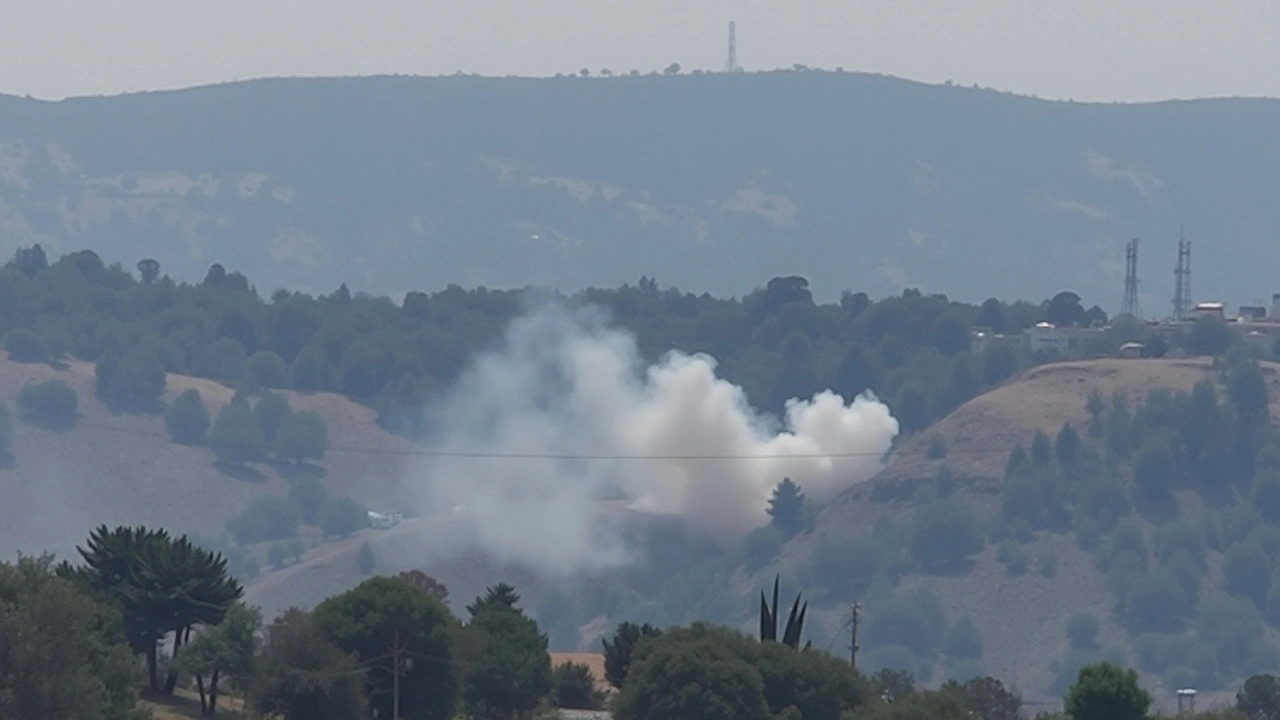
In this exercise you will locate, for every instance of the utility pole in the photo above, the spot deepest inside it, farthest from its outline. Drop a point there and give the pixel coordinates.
(395, 677)
(853, 633)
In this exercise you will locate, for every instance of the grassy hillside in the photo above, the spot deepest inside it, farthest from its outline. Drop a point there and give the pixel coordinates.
(1020, 613)
(398, 183)
(122, 468)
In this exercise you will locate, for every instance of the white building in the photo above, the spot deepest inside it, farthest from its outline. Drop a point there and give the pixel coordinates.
(1051, 338)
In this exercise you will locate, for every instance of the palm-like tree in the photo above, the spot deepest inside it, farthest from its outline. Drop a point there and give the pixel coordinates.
(163, 585)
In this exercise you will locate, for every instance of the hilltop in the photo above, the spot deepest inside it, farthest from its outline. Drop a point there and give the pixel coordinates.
(398, 183)
(1020, 615)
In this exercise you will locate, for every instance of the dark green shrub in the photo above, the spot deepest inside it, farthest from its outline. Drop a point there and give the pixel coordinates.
(339, 517)
(25, 346)
(268, 518)
(187, 420)
(962, 640)
(308, 494)
(1155, 602)
(268, 370)
(51, 404)
(846, 568)
(236, 436)
(943, 534)
(1082, 630)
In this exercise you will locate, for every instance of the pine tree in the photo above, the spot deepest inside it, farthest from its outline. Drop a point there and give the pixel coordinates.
(786, 508)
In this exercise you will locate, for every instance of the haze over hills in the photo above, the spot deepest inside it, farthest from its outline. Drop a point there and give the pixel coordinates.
(715, 182)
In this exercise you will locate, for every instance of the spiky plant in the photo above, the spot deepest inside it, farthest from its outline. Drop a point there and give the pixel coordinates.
(795, 620)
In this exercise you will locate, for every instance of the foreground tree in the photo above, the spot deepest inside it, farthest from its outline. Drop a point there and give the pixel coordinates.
(573, 688)
(163, 585)
(986, 698)
(692, 680)
(383, 613)
(704, 671)
(506, 668)
(303, 676)
(225, 650)
(1106, 691)
(1259, 698)
(425, 583)
(618, 654)
(62, 654)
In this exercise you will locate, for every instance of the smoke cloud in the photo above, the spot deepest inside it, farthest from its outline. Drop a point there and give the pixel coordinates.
(564, 383)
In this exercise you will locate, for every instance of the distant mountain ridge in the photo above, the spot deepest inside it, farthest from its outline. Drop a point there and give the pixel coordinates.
(713, 181)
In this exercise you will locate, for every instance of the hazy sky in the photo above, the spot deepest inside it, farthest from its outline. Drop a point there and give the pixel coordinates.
(1082, 49)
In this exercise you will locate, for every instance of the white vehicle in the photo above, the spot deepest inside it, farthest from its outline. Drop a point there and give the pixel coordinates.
(383, 521)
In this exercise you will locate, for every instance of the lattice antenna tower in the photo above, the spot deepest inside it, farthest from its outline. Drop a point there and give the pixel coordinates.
(732, 64)
(1131, 280)
(1182, 279)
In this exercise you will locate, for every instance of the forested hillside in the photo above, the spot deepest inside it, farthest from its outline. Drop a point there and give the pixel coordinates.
(713, 181)
(1036, 515)
(777, 343)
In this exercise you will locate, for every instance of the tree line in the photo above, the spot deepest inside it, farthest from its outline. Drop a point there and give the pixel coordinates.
(913, 350)
(71, 634)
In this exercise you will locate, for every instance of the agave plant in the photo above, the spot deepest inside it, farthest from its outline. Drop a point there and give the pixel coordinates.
(795, 621)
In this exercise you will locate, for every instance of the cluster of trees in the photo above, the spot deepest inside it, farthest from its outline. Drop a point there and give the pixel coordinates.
(245, 432)
(341, 660)
(63, 652)
(1116, 485)
(912, 350)
(69, 636)
(278, 517)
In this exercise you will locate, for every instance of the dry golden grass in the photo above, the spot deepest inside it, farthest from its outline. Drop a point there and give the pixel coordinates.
(123, 469)
(185, 705)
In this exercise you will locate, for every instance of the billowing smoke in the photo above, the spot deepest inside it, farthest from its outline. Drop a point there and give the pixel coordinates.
(671, 438)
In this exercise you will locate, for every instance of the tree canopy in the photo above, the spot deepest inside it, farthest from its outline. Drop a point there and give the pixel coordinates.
(383, 613)
(164, 585)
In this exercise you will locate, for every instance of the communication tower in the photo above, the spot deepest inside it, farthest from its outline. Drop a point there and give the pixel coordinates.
(1182, 280)
(732, 64)
(1131, 280)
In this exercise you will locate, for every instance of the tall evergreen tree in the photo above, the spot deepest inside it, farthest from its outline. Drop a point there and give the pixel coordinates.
(786, 508)
(507, 670)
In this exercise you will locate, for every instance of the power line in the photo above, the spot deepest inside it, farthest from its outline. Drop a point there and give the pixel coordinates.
(489, 455)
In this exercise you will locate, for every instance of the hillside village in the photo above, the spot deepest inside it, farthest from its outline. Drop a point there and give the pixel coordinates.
(1257, 326)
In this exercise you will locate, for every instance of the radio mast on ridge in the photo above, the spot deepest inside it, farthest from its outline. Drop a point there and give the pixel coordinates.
(732, 64)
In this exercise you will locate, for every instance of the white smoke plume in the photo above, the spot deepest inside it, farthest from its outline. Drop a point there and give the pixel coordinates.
(564, 383)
